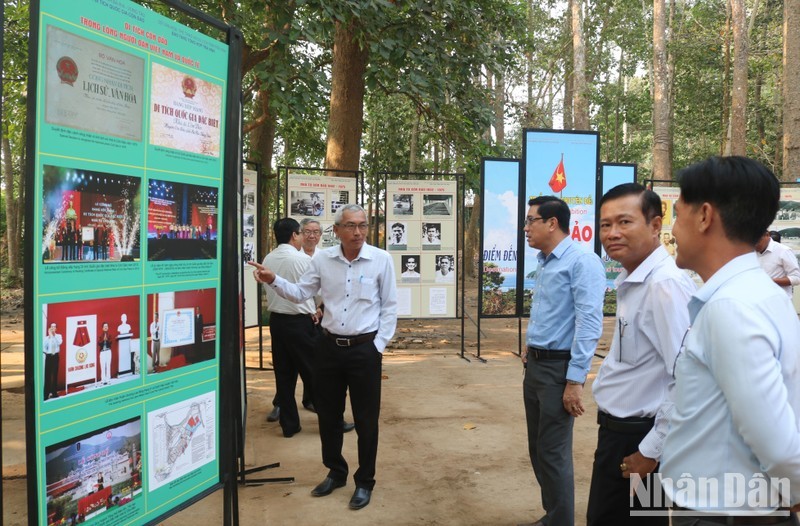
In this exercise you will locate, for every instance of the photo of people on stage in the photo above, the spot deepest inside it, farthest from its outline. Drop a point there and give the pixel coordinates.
(182, 328)
(182, 221)
(89, 344)
(89, 216)
(90, 475)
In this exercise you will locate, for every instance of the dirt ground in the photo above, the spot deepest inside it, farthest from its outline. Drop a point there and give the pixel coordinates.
(453, 446)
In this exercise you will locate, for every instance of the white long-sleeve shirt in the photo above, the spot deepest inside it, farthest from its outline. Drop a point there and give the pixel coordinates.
(737, 396)
(652, 317)
(360, 296)
(778, 261)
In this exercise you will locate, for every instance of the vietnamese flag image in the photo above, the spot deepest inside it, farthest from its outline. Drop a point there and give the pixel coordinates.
(559, 179)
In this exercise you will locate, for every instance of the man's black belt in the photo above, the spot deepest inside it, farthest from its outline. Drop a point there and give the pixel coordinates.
(349, 341)
(537, 353)
(631, 425)
(281, 314)
(733, 520)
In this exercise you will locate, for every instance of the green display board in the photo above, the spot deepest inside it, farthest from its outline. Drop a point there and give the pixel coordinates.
(128, 168)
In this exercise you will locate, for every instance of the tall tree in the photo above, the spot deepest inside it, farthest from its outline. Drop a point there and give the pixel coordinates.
(662, 160)
(791, 90)
(738, 124)
(579, 86)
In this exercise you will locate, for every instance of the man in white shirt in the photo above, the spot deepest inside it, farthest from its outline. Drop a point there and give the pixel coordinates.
(733, 447)
(779, 262)
(52, 350)
(631, 388)
(291, 324)
(357, 284)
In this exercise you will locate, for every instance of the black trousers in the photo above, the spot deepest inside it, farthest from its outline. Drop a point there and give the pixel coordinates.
(609, 493)
(50, 375)
(294, 338)
(335, 370)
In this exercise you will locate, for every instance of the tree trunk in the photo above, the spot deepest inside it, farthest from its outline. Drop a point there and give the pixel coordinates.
(473, 243)
(262, 144)
(499, 110)
(725, 145)
(412, 156)
(791, 90)
(581, 95)
(662, 163)
(620, 94)
(347, 99)
(568, 78)
(739, 95)
(12, 232)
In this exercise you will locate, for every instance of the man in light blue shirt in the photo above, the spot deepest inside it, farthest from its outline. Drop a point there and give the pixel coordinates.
(565, 324)
(733, 447)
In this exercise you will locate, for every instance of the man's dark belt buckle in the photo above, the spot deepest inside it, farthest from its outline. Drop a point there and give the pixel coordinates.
(343, 342)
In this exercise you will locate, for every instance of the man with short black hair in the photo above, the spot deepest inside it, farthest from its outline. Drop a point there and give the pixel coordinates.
(631, 388)
(291, 324)
(565, 324)
(737, 377)
(779, 262)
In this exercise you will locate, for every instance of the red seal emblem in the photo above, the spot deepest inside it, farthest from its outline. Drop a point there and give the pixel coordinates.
(67, 70)
(189, 87)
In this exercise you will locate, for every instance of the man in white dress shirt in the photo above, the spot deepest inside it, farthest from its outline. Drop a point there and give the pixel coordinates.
(52, 351)
(291, 324)
(733, 446)
(779, 262)
(357, 284)
(631, 388)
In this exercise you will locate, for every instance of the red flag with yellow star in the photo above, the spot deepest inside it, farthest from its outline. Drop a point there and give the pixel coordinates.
(559, 179)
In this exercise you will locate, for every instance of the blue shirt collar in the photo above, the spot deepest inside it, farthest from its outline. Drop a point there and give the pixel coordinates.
(557, 252)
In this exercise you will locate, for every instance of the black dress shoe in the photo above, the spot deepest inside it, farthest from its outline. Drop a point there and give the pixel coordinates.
(360, 498)
(275, 415)
(326, 487)
(310, 407)
(347, 427)
(290, 434)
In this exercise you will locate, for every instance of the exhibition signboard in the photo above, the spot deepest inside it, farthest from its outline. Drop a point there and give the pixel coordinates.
(318, 197)
(128, 160)
(421, 225)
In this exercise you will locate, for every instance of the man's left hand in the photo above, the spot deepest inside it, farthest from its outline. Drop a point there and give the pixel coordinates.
(639, 464)
(572, 399)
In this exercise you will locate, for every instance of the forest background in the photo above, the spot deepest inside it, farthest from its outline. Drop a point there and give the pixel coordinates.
(434, 85)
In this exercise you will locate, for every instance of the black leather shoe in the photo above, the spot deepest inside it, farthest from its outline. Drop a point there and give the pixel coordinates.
(326, 487)
(347, 427)
(360, 498)
(275, 415)
(290, 434)
(310, 407)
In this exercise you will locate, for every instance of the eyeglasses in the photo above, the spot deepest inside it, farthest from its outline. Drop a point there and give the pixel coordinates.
(351, 227)
(531, 220)
(312, 232)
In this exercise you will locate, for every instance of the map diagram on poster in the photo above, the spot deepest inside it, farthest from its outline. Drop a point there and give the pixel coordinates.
(180, 439)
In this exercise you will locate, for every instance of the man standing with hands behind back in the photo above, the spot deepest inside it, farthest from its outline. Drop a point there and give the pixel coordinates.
(357, 284)
(631, 388)
(565, 324)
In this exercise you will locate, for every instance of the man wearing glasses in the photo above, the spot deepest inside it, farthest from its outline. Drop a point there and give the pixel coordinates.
(357, 284)
(631, 388)
(736, 421)
(565, 323)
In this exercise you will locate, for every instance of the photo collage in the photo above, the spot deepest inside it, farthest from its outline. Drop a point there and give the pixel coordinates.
(421, 226)
(318, 198)
(129, 188)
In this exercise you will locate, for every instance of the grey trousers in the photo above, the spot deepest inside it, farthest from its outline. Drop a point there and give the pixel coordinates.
(550, 438)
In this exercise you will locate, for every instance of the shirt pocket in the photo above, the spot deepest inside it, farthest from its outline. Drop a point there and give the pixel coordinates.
(628, 350)
(366, 289)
